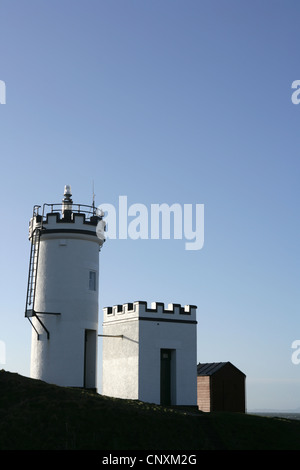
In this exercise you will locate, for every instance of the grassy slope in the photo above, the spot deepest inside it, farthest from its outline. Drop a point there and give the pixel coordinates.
(35, 415)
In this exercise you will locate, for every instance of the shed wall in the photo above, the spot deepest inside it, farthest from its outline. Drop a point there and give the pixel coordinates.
(228, 390)
(203, 393)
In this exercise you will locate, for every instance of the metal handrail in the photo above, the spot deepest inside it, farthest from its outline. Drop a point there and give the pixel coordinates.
(90, 211)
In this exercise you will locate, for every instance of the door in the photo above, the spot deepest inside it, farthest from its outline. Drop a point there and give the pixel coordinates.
(165, 376)
(90, 352)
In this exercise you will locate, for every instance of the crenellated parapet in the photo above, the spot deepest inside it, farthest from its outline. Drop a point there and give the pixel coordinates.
(67, 223)
(157, 311)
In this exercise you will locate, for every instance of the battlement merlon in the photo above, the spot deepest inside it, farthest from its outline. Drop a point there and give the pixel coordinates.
(158, 311)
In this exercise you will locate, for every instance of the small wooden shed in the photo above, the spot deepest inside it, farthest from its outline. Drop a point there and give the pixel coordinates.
(220, 387)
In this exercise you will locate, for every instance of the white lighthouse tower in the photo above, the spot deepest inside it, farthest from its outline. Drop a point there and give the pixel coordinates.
(62, 294)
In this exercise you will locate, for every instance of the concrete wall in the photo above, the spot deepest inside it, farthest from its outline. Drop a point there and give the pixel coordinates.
(120, 355)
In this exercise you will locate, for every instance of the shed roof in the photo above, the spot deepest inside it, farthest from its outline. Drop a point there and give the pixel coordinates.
(209, 368)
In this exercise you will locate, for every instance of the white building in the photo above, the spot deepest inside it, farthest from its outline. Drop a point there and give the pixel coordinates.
(62, 295)
(149, 354)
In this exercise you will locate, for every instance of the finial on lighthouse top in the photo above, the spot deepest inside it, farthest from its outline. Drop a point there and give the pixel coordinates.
(67, 201)
(67, 191)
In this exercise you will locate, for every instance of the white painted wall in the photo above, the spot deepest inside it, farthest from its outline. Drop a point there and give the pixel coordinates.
(180, 337)
(131, 366)
(121, 359)
(65, 260)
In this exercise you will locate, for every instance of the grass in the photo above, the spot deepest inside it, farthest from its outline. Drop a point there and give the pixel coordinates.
(38, 416)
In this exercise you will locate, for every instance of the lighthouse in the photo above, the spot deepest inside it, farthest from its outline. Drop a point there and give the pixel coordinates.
(62, 292)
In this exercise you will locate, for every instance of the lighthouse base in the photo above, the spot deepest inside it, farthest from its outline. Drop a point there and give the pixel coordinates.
(62, 362)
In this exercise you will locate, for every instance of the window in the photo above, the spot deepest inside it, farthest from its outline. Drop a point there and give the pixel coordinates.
(92, 280)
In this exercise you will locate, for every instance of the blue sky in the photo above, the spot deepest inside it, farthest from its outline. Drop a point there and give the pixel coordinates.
(165, 101)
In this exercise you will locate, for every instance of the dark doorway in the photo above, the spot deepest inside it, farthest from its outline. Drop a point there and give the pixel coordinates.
(165, 376)
(90, 359)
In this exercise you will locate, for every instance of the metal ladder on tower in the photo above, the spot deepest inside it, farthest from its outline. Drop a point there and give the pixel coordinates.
(32, 279)
(32, 275)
